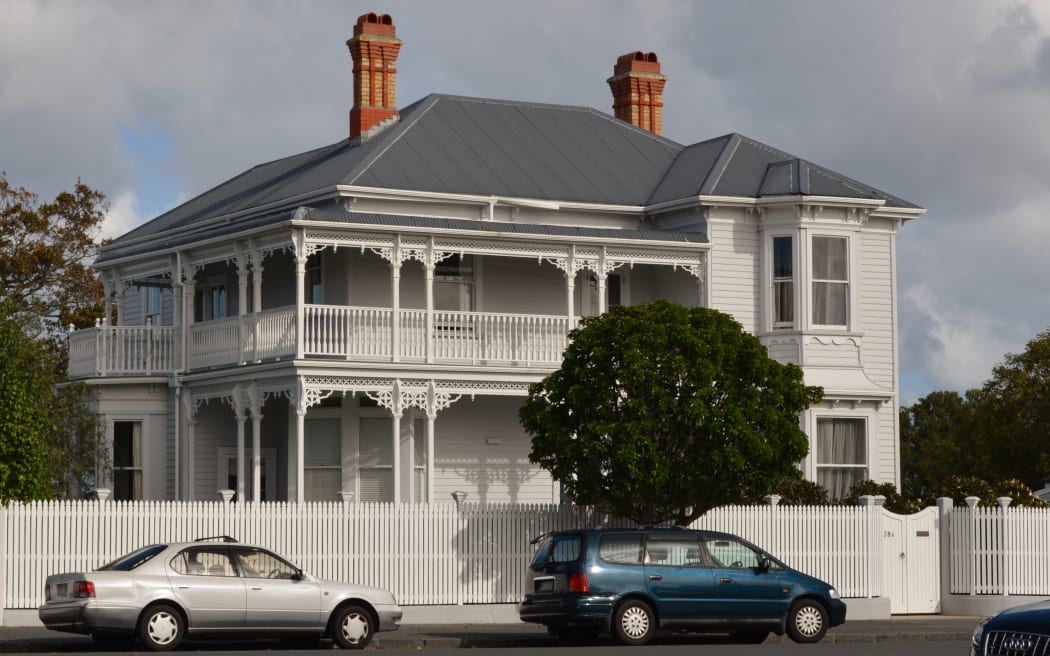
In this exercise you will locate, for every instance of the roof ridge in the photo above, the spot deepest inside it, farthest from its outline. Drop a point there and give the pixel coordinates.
(392, 136)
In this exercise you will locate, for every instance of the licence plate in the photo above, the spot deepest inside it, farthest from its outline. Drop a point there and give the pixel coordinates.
(545, 584)
(61, 589)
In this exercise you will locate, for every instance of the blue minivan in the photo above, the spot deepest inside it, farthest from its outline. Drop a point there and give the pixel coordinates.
(631, 582)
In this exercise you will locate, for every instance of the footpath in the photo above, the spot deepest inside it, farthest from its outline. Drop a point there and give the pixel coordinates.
(899, 628)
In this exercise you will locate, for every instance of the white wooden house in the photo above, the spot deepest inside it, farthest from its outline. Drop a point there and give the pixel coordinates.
(365, 318)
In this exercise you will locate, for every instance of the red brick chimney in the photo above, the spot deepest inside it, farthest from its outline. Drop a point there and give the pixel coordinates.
(374, 49)
(638, 90)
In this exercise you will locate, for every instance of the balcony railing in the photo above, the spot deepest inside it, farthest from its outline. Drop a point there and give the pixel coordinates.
(123, 350)
(330, 332)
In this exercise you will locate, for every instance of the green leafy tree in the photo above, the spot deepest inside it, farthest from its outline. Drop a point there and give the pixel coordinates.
(938, 439)
(1015, 415)
(46, 253)
(49, 440)
(661, 413)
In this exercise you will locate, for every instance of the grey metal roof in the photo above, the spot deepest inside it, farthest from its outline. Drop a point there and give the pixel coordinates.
(477, 146)
(432, 223)
(734, 165)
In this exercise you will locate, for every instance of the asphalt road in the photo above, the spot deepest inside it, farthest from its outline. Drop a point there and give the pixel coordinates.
(876, 637)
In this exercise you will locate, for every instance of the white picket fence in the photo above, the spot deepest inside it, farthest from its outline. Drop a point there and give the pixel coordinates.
(424, 554)
(999, 551)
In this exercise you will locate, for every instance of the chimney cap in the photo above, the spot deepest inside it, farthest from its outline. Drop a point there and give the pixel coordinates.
(637, 61)
(373, 23)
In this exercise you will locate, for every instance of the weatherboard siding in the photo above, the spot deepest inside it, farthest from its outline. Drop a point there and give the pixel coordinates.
(875, 305)
(734, 270)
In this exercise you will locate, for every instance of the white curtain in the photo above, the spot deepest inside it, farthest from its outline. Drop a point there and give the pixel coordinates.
(841, 454)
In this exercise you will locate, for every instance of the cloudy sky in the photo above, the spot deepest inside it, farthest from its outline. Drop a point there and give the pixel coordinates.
(939, 102)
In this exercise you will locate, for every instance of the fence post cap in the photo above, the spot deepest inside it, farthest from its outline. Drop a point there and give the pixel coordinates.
(226, 495)
(103, 493)
(772, 499)
(1004, 502)
(972, 501)
(348, 497)
(866, 500)
(945, 503)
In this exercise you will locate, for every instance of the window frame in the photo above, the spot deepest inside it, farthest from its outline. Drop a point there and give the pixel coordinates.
(774, 281)
(847, 283)
(866, 449)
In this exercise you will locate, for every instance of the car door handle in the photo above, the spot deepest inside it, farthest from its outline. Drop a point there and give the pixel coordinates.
(725, 580)
(655, 577)
(256, 587)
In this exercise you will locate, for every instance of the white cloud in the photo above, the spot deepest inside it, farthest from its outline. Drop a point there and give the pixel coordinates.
(122, 216)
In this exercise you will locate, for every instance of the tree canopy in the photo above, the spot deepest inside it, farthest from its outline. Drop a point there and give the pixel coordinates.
(999, 434)
(48, 440)
(661, 413)
(46, 252)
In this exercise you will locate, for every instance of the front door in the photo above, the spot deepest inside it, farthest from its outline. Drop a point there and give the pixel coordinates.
(677, 577)
(276, 598)
(208, 586)
(745, 590)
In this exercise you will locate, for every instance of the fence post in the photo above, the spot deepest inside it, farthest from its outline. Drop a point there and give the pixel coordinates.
(1004, 504)
(874, 539)
(457, 551)
(972, 503)
(944, 526)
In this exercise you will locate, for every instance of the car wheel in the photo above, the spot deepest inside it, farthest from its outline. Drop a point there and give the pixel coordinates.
(634, 622)
(352, 628)
(750, 636)
(807, 621)
(161, 628)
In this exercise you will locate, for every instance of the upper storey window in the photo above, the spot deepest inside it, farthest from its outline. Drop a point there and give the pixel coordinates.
(783, 283)
(830, 299)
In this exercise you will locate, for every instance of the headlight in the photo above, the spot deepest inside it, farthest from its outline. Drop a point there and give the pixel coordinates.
(978, 632)
(833, 593)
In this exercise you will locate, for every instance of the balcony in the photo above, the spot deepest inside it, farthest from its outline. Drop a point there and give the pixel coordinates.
(332, 333)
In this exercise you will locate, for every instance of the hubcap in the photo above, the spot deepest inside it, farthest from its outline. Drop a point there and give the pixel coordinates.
(355, 628)
(808, 621)
(635, 622)
(163, 628)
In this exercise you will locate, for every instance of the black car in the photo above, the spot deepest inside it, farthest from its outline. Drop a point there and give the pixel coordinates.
(631, 582)
(1019, 631)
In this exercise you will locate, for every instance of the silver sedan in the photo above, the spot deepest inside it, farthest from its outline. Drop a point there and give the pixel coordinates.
(166, 592)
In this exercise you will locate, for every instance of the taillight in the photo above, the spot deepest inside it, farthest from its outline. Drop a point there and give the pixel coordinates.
(47, 592)
(83, 589)
(578, 583)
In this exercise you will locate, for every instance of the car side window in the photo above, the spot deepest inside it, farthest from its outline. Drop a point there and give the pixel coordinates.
(203, 561)
(260, 564)
(621, 548)
(676, 550)
(731, 553)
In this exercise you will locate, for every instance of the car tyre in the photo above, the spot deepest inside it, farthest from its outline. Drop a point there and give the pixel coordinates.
(161, 628)
(807, 621)
(353, 627)
(634, 622)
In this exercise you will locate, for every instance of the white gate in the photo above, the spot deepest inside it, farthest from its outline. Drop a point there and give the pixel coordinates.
(911, 561)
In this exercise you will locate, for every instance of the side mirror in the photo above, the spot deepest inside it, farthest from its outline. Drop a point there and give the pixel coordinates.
(298, 576)
(763, 564)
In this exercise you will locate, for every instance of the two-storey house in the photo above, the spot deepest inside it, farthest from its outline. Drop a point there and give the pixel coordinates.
(365, 318)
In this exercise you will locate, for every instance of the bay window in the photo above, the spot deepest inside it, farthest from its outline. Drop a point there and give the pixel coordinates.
(783, 283)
